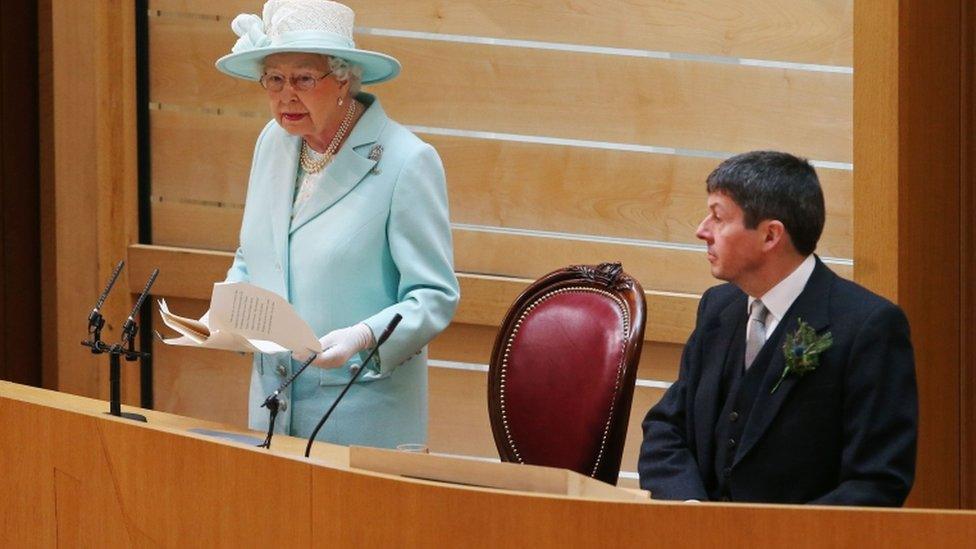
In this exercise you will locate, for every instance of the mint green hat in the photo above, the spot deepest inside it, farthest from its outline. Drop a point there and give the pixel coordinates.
(303, 26)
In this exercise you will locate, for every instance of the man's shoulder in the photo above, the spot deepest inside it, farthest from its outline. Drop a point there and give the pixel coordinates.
(854, 301)
(717, 298)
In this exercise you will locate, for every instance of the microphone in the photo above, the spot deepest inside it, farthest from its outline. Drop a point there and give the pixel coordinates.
(130, 328)
(288, 381)
(386, 333)
(272, 403)
(382, 339)
(95, 320)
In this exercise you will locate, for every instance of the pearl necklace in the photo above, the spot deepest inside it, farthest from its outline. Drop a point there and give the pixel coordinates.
(311, 165)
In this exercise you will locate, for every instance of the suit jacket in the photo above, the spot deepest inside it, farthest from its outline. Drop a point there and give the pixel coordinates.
(842, 434)
(373, 240)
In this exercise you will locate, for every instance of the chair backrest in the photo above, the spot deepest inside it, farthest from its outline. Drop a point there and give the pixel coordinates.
(563, 368)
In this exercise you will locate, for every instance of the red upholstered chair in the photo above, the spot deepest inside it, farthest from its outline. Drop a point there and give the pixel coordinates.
(563, 368)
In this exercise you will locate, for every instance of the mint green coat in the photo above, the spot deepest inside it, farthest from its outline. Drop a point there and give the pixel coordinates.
(372, 241)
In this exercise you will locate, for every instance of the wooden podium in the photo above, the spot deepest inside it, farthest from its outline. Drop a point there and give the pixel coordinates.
(73, 476)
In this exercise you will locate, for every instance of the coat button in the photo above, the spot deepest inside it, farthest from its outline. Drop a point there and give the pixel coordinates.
(283, 406)
(281, 370)
(727, 472)
(733, 417)
(731, 443)
(278, 267)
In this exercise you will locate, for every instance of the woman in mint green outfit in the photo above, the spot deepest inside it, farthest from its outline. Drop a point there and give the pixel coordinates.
(346, 217)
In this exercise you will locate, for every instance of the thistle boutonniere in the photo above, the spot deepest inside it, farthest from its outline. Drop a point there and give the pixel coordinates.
(802, 351)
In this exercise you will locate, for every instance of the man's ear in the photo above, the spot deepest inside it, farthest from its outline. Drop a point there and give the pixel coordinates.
(773, 232)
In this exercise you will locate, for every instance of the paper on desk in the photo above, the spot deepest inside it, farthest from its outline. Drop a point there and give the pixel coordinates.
(244, 317)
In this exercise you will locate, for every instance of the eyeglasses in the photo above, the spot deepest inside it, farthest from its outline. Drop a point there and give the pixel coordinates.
(302, 82)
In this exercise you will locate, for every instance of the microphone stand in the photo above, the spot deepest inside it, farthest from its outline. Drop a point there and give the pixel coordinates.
(272, 403)
(386, 335)
(95, 320)
(126, 347)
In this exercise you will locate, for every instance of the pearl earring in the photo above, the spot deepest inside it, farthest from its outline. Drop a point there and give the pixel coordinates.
(340, 101)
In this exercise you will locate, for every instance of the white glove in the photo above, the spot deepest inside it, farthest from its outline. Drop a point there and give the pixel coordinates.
(338, 346)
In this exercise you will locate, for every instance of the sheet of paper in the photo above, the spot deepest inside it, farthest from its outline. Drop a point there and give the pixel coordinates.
(243, 318)
(259, 314)
(193, 329)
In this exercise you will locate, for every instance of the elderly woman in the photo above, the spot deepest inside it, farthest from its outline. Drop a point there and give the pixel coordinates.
(346, 217)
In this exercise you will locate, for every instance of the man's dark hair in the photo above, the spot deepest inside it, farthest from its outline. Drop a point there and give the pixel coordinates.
(774, 185)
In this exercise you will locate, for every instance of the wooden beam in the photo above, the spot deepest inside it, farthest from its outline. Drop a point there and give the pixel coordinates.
(968, 250)
(93, 149)
(907, 135)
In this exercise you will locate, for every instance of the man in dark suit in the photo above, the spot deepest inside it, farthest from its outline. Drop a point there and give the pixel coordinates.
(839, 426)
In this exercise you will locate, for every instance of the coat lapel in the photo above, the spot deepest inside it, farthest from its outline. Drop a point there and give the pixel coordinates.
(718, 335)
(812, 306)
(283, 195)
(350, 165)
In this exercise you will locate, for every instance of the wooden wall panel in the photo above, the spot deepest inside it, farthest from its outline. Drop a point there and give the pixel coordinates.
(92, 148)
(75, 268)
(202, 157)
(877, 100)
(599, 192)
(459, 413)
(47, 187)
(968, 273)
(196, 225)
(684, 104)
(191, 274)
(660, 268)
(486, 299)
(907, 195)
(183, 272)
(205, 158)
(808, 31)
(215, 227)
(472, 344)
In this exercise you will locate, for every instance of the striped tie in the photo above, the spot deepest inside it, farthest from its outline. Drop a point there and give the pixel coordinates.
(756, 337)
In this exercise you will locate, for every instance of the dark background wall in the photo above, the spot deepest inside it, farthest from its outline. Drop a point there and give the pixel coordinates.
(19, 194)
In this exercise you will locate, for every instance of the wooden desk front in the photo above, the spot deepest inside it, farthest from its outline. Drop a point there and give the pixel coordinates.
(72, 476)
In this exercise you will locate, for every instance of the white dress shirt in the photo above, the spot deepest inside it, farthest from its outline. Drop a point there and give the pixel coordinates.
(781, 296)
